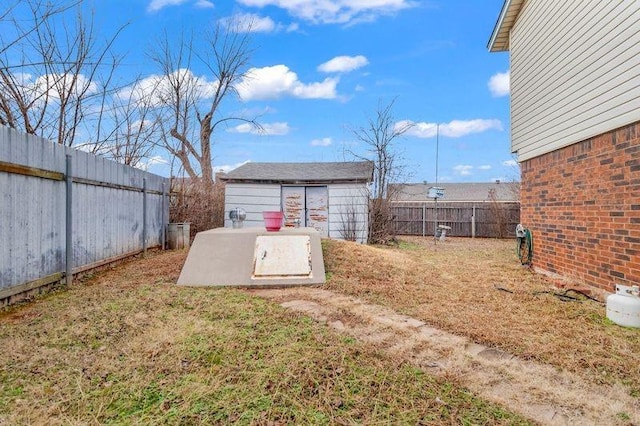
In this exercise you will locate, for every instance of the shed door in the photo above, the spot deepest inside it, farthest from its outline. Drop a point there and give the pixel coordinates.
(318, 209)
(293, 205)
(307, 206)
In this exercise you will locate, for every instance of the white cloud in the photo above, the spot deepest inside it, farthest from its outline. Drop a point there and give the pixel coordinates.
(463, 169)
(278, 81)
(359, 88)
(53, 85)
(153, 161)
(293, 27)
(157, 87)
(335, 11)
(156, 5)
(453, 129)
(266, 129)
(228, 167)
(343, 64)
(321, 142)
(22, 79)
(257, 111)
(251, 23)
(484, 167)
(204, 4)
(510, 163)
(499, 84)
(458, 128)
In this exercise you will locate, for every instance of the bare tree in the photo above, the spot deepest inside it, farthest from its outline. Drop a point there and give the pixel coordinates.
(63, 76)
(191, 106)
(21, 31)
(128, 129)
(379, 137)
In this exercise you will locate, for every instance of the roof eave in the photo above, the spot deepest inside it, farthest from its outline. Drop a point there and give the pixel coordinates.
(499, 41)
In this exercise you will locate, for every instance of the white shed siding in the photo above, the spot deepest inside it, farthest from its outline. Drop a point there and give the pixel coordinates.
(575, 72)
(344, 198)
(253, 198)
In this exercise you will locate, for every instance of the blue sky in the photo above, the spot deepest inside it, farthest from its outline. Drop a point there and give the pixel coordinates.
(322, 67)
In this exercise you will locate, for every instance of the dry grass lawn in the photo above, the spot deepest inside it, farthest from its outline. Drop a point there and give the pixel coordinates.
(477, 288)
(128, 346)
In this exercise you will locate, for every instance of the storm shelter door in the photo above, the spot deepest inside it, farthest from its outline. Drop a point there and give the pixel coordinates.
(307, 206)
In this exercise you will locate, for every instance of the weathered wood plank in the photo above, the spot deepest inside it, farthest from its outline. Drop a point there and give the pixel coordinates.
(29, 171)
(491, 220)
(107, 209)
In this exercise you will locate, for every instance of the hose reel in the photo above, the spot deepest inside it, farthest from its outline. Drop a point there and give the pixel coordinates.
(524, 247)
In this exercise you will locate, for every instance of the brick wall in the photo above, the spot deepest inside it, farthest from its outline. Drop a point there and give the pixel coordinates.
(582, 204)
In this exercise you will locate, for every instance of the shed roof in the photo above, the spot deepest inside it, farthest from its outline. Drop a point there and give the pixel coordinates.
(459, 192)
(361, 171)
(499, 41)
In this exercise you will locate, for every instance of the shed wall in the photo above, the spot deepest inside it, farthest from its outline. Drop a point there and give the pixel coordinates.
(347, 202)
(348, 212)
(253, 198)
(575, 72)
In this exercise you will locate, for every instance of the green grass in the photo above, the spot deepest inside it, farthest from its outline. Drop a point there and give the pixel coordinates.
(123, 350)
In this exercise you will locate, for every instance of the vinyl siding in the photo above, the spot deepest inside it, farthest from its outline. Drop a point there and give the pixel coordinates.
(344, 199)
(253, 198)
(575, 72)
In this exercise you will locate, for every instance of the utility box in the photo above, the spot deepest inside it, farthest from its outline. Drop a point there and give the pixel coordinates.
(436, 192)
(178, 235)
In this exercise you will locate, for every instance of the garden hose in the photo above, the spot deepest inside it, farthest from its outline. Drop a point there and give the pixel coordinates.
(525, 247)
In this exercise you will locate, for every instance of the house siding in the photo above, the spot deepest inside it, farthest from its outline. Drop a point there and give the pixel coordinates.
(575, 72)
(582, 204)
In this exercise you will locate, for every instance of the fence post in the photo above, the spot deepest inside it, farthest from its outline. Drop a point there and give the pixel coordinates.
(435, 220)
(424, 219)
(68, 223)
(144, 216)
(473, 222)
(162, 234)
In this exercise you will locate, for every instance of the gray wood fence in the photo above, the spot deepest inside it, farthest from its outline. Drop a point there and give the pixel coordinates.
(481, 219)
(51, 226)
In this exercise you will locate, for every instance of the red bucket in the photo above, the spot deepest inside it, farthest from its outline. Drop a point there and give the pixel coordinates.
(273, 220)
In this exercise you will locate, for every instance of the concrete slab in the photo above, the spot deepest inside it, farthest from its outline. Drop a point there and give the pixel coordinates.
(253, 257)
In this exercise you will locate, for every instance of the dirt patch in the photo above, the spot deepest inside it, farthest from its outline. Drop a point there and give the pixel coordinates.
(538, 391)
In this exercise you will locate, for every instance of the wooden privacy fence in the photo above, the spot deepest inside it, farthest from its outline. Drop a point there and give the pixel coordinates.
(64, 211)
(466, 219)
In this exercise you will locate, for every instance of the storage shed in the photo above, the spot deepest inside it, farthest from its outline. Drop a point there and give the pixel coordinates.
(330, 197)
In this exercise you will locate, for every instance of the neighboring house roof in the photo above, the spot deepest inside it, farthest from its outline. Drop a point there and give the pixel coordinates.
(459, 192)
(499, 41)
(361, 171)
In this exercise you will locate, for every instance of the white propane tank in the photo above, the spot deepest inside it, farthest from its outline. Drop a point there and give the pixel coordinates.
(623, 307)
